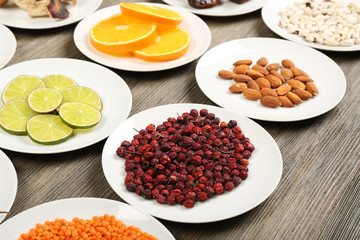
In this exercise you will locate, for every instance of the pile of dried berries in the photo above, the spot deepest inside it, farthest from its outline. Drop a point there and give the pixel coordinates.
(186, 159)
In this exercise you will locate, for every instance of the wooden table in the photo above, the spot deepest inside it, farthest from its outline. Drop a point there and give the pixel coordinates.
(318, 195)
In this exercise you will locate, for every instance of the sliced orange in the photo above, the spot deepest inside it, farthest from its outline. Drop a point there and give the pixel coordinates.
(151, 13)
(171, 43)
(121, 33)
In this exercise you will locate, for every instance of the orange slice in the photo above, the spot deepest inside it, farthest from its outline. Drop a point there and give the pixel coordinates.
(171, 43)
(151, 13)
(121, 33)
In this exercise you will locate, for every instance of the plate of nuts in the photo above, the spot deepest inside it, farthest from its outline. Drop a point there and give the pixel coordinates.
(270, 79)
(332, 25)
(192, 163)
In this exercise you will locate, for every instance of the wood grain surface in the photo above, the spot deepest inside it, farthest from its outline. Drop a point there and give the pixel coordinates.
(317, 197)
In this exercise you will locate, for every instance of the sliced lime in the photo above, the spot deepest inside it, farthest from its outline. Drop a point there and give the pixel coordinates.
(58, 82)
(48, 129)
(20, 88)
(14, 116)
(44, 100)
(83, 95)
(79, 115)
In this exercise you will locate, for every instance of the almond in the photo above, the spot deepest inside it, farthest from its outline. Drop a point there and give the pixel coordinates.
(311, 87)
(243, 62)
(286, 73)
(263, 82)
(268, 92)
(251, 94)
(285, 102)
(270, 101)
(298, 72)
(254, 74)
(302, 93)
(294, 98)
(274, 80)
(277, 74)
(260, 69)
(241, 78)
(238, 87)
(252, 84)
(287, 63)
(303, 79)
(225, 74)
(283, 89)
(296, 84)
(241, 69)
(273, 66)
(262, 61)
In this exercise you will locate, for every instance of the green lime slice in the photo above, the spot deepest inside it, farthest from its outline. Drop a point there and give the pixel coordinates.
(20, 88)
(48, 129)
(83, 95)
(14, 116)
(79, 115)
(58, 82)
(44, 100)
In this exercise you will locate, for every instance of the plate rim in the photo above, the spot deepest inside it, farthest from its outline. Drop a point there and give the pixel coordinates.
(13, 44)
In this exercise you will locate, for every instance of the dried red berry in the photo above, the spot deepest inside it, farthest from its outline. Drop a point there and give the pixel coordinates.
(188, 203)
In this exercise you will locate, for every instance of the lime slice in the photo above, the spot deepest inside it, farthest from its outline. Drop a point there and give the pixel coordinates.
(14, 116)
(83, 95)
(58, 82)
(79, 115)
(20, 88)
(44, 100)
(48, 129)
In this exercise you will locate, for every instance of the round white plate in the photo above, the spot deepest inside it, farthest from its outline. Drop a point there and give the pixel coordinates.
(327, 76)
(114, 93)
(8, 184)
(13, 16)
(225, 9)
(265, 168)
(271, 17)
(7, 46)
(200, 33)
(83, 208)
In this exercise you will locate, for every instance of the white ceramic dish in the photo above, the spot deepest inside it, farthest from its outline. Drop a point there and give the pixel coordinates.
(114, 93)
(8, 184)
(200, 33)
(327, 76)
(224, 9)
(8, 45)
(13, 16)
(271, 17)
(83, 208)
(265, 168)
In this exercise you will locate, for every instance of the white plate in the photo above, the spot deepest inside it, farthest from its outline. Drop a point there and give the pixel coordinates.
(224, 9)
(7, 46)
(14, 16)
(327, 76)
(271, 17)
(265, 168)
(8, 184)
(114, 93)
(200, 33)
(83, 208)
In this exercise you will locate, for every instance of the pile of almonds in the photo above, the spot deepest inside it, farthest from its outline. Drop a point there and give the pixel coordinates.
(274, 84)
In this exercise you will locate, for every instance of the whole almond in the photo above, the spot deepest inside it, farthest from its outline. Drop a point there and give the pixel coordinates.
(254, 74)
(238, 87)
(277, 74)
(286, 73)
(302, 93)
(311, 87)
(243, 62)
(303, 79)
(298, 72)
(268, 92)
(263, 82)
(273, 66)
(251, 94)
(252, 84)
(241, 69)
(260, 69)
(241, 78)
(287, 63)
(294, 98)
(225, 74)
(285, 102)
(262, 61)
(274, 80)
(283, 89)
(296, 84)
(270, 101)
